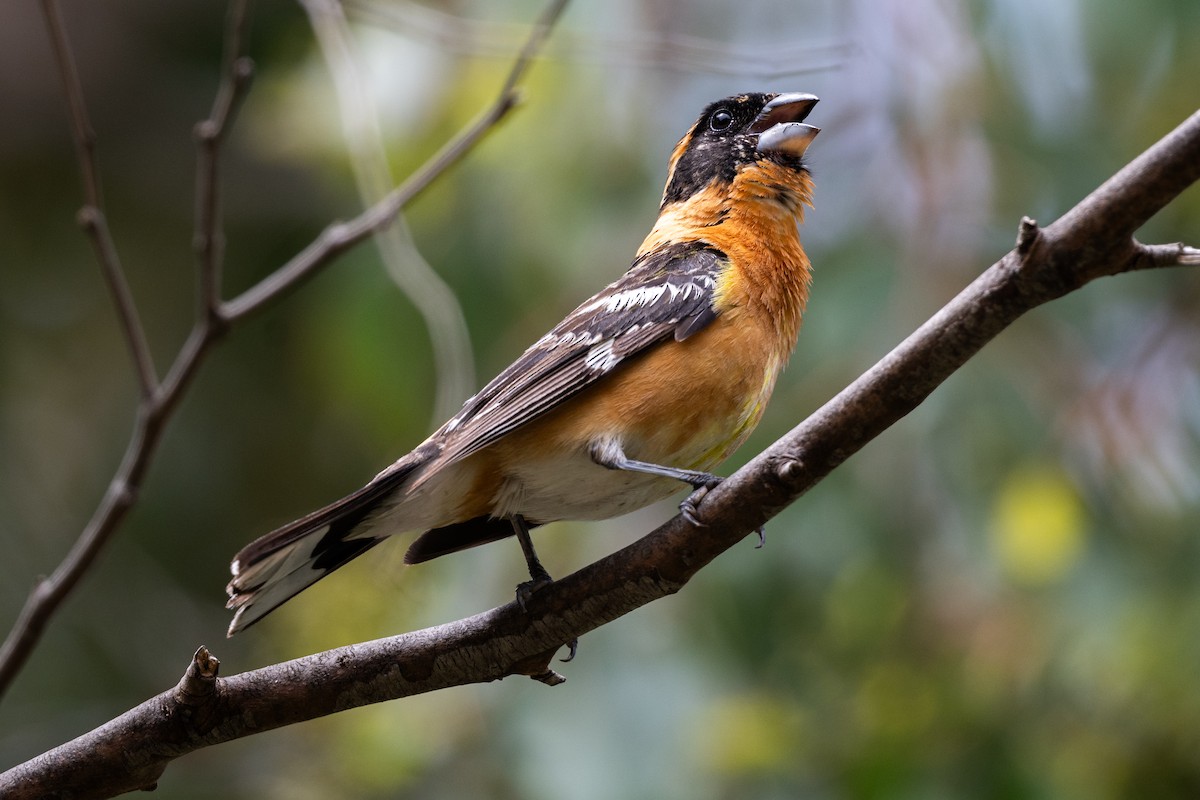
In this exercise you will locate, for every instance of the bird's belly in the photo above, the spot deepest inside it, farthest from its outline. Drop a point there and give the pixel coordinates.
(575, 487)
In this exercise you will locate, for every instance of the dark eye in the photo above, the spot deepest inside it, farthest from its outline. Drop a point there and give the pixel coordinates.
(720, 120)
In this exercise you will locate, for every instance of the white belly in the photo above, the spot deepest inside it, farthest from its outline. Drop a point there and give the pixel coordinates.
(575, 487)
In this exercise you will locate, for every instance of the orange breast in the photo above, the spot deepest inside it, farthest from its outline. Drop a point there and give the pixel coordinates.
(682, 404)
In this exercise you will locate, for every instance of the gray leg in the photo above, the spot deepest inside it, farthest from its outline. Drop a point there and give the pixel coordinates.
(610, 454)
(537, 573)
(538, 576)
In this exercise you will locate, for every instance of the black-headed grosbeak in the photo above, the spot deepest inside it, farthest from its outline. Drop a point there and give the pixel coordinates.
(652, 382)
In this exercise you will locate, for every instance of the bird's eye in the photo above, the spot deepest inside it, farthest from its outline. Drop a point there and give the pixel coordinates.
(720, 120)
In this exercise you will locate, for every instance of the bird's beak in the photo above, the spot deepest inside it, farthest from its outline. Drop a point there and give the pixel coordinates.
(780, 124)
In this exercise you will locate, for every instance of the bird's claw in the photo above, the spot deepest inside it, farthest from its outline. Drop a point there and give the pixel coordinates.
(688, 509)
(526, 589)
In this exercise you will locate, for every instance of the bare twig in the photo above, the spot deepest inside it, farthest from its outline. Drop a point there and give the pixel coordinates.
(160, 400)
(157, 401)
(537, 38)
(133, 750)
(91, 217)
(209, 242)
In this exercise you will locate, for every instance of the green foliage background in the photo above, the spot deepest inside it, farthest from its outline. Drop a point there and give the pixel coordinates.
(998, 598)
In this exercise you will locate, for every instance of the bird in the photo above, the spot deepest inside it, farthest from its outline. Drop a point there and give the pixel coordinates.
(644, 387)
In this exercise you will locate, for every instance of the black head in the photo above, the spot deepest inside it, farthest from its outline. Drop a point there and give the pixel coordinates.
(738, 132)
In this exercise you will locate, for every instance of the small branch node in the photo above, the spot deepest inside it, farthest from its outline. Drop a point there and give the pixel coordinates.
(124, 494)
(1027, 235)
(199, 682)
(549, 677)
(336, 234)
(89, 218)
(207, 131)
(218, 321)
(789, 470)
(202, 244)
(42, 588)
(1155, 256)
(243, 71)
(538, 667)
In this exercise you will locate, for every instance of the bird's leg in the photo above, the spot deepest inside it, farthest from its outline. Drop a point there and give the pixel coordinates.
(538, 576)
(610, 454)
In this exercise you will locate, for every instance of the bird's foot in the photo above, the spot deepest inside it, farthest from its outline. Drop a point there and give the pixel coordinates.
(689, 507)
(527, 589)
(538, 580)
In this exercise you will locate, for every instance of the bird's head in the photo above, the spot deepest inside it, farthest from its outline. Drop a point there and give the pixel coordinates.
(752, 139)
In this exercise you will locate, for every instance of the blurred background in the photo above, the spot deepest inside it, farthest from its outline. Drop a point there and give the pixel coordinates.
(998, 598)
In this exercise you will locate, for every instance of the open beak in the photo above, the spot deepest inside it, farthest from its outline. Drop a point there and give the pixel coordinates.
(780, 126)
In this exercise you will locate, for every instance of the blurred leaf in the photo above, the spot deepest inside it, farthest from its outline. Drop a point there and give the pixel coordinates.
(1038, 525)
(751, 734)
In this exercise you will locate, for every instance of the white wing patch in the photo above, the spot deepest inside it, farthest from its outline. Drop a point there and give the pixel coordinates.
(601, 358)
(640, 296)
(554, 340)
(454, 422)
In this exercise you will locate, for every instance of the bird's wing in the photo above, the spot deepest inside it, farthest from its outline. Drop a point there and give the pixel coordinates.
(667, 293)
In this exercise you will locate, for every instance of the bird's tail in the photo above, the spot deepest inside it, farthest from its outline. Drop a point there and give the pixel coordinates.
(275, 567)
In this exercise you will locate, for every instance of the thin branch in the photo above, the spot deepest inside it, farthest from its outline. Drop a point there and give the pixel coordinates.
(339, 237)
(49, 593)
(133, 750)
(155, 409)
(209, 241)
(81, 128)
(537, 38)
(91, 217)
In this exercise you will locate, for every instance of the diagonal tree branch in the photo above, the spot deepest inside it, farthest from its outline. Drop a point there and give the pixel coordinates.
(159, 401)
(1092, 240)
